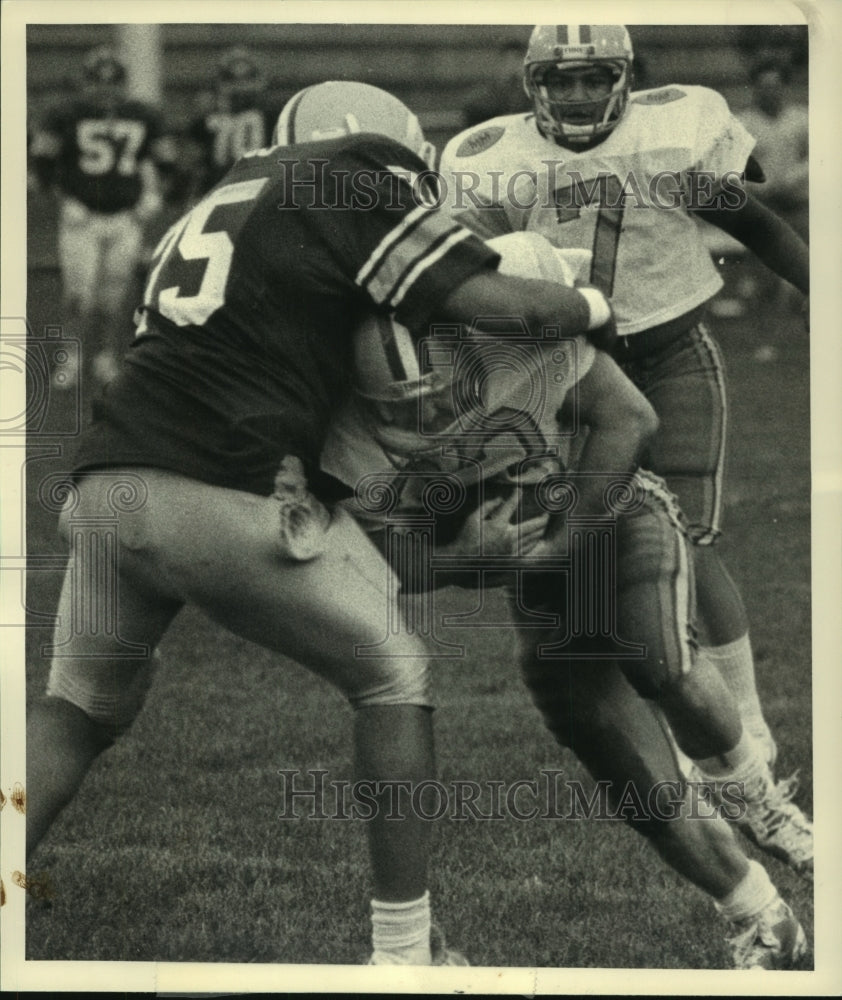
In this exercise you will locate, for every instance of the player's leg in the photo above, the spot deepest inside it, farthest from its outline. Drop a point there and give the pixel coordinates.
(591, 708)
(685, 384)
(79, 256)
(655, 608)
(98, 680)
(121, 251)
(225, 551)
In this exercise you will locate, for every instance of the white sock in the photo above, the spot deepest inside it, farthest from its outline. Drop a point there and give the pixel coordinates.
(735, 662)
(753, 894)
(400, 932)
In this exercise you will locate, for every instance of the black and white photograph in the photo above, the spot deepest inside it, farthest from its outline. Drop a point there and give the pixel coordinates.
(421, 481)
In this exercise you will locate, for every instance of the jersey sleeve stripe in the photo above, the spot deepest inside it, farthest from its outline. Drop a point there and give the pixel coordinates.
(433, 255)
(379, 252)
(428, 232)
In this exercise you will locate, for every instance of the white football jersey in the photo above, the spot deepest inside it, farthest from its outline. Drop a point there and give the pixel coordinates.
(625, 199)
(503, 402)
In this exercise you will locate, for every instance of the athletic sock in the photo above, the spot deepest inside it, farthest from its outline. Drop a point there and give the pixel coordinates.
(735, 661)
(751, 895)
(400, 932)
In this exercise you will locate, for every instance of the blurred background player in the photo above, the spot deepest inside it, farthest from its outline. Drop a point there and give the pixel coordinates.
(100, 151)
(780, 127)
(236, 121)
(596, 144)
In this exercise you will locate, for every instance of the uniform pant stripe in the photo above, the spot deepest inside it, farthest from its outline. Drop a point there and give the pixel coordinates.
(713, 360)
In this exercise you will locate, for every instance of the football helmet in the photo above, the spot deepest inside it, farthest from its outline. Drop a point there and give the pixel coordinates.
(101, 66)
(237, 70)
(577, 46)
(336, 108)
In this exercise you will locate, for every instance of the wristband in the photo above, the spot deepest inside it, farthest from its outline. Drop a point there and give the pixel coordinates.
(600, 310)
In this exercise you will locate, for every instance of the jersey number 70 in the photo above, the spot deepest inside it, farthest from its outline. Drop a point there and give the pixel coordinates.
(195, 238)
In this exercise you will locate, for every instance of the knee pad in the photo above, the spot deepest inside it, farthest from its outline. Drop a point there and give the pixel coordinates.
(109, 692)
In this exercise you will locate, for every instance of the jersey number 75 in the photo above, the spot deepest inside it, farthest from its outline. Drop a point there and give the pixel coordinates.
(195, 237)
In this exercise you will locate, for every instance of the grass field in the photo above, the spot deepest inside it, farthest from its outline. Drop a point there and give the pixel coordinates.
(175, 849)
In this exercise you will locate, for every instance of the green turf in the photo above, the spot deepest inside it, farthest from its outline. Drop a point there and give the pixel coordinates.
(175, 849)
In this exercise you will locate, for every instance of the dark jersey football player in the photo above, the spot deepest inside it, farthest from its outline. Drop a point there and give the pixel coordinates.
(100, 150)
(238, 120)
(206, 451)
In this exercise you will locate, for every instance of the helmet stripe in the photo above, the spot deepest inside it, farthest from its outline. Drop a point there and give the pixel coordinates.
(386, 330)
(289, 137)
(574, 34)
(584, 34)
(561, 34)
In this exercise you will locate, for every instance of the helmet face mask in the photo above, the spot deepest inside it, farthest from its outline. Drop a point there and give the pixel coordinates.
(336, 108)
(556, 58)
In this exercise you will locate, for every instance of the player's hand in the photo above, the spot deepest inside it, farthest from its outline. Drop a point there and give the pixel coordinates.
(489, 530)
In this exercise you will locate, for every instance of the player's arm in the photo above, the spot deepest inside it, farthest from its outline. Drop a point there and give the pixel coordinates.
(619, 420)
(764, 233)
(539, 303)
(44, 151)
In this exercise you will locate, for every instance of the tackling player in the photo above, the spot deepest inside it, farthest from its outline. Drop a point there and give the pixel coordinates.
(625, 174)
(101, 151)
(204, 454)
(492, 425)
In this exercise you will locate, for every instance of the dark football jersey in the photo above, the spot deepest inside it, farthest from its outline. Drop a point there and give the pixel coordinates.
(225, 135)
(244, 347)
(98, 150)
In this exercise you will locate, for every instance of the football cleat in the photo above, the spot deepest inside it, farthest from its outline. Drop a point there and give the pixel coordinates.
(774, 939)
(441, 954)
(776, 824)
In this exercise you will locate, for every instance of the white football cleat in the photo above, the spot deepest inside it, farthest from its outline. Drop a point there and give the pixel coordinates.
(776, 824)
(773, 939)
(441, 954)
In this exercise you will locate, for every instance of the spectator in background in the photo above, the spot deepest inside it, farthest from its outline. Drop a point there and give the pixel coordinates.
(781, 129)
(236, 121)
(100, 151)
(502, 95)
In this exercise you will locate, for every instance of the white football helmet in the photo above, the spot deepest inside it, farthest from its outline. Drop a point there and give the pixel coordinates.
(336, 108)
(576, 46)
(427, 393)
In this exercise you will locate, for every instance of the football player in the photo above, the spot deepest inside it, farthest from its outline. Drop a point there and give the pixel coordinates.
(100, 150)
(204, 452)
(238, 120)
(626, 174)
(493, 429)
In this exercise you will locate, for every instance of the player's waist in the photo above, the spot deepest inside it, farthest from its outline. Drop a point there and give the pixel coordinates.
(632, 346)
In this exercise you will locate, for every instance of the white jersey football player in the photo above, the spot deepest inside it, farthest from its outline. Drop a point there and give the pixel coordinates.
(455, 448)
(626, 174)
